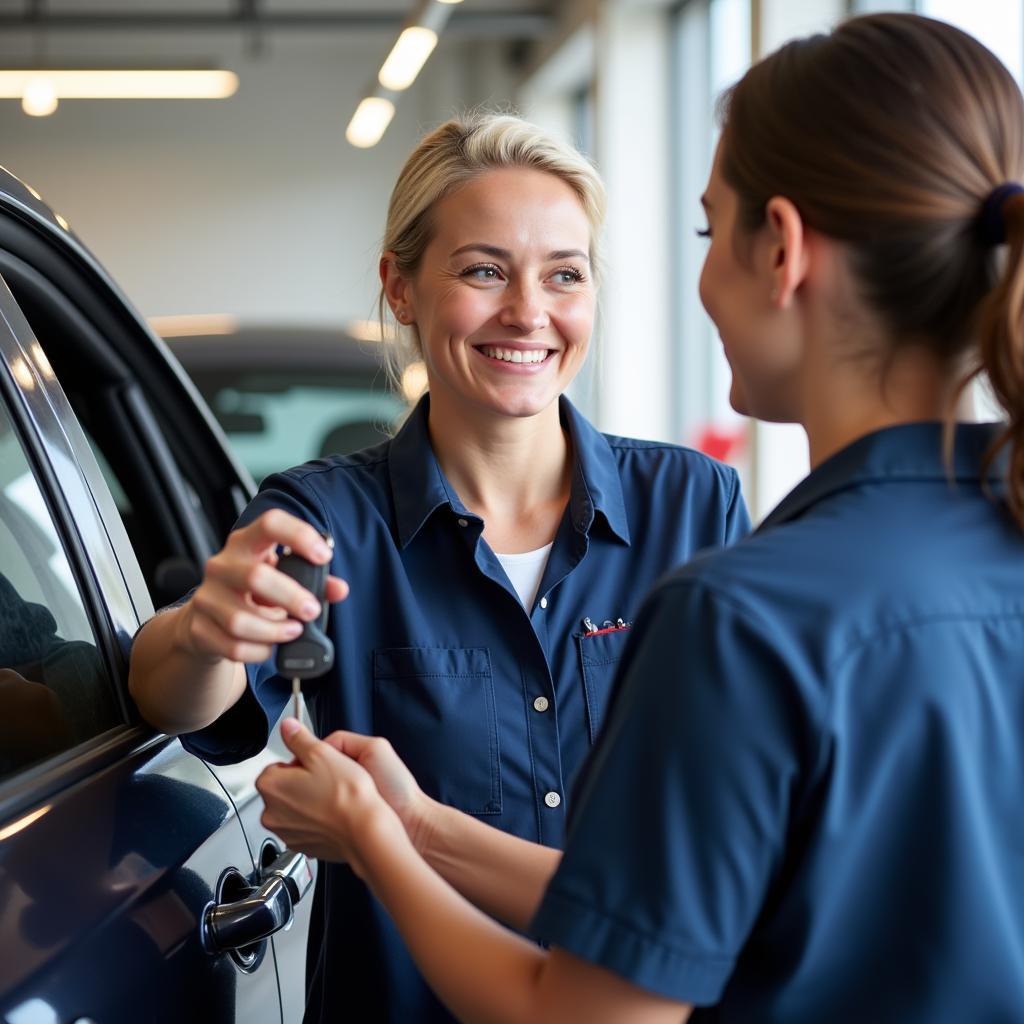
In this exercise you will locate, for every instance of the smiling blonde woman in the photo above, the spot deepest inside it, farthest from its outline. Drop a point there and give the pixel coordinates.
(495, 551)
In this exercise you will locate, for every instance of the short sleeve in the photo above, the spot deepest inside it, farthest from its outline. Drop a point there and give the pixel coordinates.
(244, 729)
(680, 821)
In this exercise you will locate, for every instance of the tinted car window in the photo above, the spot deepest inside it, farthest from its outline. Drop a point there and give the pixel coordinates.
(284, 394)
(278, 420)
(54, 689)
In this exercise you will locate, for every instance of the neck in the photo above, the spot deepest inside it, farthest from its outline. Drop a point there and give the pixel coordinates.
(514, 472)
(845, 401)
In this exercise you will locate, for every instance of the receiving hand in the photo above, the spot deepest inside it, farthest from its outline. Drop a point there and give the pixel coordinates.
(324, 803)
(395, 783)
(244, 606)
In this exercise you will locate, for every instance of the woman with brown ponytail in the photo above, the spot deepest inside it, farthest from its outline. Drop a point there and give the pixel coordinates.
(806, 804)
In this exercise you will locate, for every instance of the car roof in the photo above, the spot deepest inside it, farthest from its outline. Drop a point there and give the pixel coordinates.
(279, 347)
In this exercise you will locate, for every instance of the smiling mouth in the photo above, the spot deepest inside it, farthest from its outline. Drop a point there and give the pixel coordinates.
(515, 355)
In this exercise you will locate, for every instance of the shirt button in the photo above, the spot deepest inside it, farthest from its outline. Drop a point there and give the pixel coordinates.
(540, 704)
(543, 602)
(463, 522)
(552, 799)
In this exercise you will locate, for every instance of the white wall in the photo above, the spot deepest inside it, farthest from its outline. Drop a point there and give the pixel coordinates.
(254, 205)
(780, 457)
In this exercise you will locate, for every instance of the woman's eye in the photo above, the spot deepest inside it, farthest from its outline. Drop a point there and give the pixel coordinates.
(703, 232)
(568, 275)
(483, 272)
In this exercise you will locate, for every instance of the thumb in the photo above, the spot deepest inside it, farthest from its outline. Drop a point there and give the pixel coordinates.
(298, 739)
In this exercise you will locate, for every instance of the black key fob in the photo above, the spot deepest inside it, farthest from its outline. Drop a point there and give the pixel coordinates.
(312, 653)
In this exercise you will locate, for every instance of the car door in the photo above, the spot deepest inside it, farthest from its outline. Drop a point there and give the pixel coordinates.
(115, 845)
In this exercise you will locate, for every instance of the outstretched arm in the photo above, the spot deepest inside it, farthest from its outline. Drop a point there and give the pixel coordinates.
(187, 665)
(327, 804)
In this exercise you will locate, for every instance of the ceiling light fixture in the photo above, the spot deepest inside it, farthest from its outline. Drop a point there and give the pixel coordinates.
(40, 89)
(414, 45)
(370, 121)
(407, 56)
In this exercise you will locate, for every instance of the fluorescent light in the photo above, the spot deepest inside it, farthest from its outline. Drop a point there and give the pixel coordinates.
(449, 1)
(39, 97)
(407, 56)
(118, 84)
(370, 121)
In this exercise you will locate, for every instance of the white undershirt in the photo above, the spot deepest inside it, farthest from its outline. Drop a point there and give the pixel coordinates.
(525, 570)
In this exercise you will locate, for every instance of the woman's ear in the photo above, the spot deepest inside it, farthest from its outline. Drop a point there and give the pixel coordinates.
(788, 250)
(397, 289)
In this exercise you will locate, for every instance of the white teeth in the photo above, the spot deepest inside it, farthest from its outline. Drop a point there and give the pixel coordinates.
(514, 355)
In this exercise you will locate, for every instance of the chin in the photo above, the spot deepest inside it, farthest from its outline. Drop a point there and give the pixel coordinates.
(522, 406)
(738, 400)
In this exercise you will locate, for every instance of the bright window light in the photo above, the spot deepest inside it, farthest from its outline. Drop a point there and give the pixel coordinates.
(370, 121)
(407, 56)
(998, 24)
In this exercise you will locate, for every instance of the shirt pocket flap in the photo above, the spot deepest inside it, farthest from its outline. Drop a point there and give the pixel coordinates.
(419, 662)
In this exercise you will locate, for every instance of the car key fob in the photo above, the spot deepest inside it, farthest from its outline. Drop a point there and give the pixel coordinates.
(311, 653)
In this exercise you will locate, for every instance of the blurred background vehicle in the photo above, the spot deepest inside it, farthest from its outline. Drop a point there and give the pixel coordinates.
(286, 394)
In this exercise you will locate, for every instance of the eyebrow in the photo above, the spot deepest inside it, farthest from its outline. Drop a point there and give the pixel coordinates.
(504, 254)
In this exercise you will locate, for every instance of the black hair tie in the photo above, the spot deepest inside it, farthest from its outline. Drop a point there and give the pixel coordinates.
(991, 225)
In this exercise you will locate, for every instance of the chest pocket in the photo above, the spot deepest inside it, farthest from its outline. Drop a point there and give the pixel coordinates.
(599, 659)
(436, 706)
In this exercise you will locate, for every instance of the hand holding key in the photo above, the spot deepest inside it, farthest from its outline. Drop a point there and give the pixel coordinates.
(245, 605)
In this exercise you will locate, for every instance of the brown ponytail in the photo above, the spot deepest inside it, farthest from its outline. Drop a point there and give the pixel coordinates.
(889, 135)
(1001, 351)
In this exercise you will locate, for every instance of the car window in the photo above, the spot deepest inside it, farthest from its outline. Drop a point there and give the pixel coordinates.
(55, 691)
(283, 419)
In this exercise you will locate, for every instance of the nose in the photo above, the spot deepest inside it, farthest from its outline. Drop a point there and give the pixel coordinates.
(524, 309)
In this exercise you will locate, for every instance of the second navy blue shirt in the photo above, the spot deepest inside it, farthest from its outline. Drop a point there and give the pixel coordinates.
(806, 805)
(491, 705)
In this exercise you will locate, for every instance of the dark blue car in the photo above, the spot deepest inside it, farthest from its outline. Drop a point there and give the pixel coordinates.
(136, 882)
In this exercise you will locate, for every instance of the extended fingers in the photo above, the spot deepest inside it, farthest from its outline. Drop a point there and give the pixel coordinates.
(275, 526)
(240, 618)
(210, 638)
(262, 583)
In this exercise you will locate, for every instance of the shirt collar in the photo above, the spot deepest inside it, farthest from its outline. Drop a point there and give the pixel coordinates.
(596, 483)
(419, 487)
(910, 451)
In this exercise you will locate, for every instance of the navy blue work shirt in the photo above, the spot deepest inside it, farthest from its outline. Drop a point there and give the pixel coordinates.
(806, 805)
(491, 705)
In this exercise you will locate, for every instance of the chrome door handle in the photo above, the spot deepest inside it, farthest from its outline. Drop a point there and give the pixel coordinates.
(262, 910)
(294, 870)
